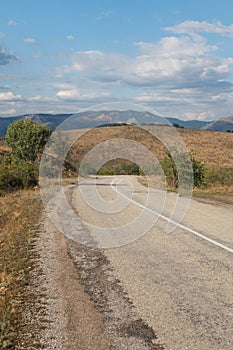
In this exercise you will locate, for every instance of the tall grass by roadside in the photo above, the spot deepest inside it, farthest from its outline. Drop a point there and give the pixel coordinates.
(216, 177)
(19, 211)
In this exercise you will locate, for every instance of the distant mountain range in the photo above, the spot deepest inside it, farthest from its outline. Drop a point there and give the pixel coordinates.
(89, 119)
(223, 124)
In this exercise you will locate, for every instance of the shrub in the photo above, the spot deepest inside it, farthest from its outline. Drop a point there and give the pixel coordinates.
(17, 176)
(184, 175)
(123, 169)
(215, 176)
(27, 139)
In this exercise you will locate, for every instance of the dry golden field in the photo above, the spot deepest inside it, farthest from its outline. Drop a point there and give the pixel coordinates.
(214, 149)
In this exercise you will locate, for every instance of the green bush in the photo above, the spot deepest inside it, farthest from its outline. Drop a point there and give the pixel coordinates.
(182, 159)
(106, 171)
(123, 169)
(217, 176)
(15, 176)
(27, 139)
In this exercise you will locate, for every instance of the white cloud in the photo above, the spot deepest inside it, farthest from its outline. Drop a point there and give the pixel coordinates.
(172, 61)
(30, 41)
(104, 14)
(70, 37)
(180, 74)
(155, 97)
(176, 73)
(180, 61)
(94, 59)
(75, 94)
(2, 35)
(9, 97)
(6, 57)
(34, 98)
(7, 111)
(190, 27)
(12, 23)
(102, 66)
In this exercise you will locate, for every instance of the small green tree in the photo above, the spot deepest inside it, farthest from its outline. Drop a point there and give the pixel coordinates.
(182, 160)
(26, 139)
(19, 169)
(199, 171)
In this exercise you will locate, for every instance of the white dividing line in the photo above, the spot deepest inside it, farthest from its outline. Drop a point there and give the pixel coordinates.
(196, 233)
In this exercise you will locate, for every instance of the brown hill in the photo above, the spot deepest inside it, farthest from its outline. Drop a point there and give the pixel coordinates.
(214, 149)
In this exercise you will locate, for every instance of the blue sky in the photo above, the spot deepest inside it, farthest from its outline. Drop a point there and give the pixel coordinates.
(174, 56)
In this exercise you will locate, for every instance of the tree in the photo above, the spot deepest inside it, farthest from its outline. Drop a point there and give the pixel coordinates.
(182, 159)
(27, 139)
(198, 171)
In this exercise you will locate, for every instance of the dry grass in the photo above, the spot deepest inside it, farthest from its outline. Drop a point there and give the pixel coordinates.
(214, 149)
(218, 193)
(18, 213)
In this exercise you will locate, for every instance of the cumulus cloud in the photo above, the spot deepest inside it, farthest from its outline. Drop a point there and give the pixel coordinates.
(9, 96)
(30, 41)
(6, 57)
(179, 62)
(177, 72)
(100, 67)
(93, 60)
(170, 62)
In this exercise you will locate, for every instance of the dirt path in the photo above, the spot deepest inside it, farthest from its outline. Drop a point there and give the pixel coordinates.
(62, 316)
(77, 303)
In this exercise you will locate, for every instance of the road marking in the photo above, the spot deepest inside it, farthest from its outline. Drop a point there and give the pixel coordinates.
(194, 232)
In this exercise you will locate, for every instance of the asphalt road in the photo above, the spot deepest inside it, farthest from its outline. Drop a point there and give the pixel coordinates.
(180, 283)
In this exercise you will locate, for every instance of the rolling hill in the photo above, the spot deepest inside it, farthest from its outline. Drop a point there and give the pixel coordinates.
(214, 149)
(223, 124)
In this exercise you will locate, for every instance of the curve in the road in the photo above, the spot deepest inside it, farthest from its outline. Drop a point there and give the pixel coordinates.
(194, 232)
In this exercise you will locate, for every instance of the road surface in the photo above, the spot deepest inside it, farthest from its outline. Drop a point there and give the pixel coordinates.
(180, 283)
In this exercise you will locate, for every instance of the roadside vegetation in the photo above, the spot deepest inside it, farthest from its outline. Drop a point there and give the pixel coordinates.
(210, 152)
(168, 164)
(20, 167)
(20, 210)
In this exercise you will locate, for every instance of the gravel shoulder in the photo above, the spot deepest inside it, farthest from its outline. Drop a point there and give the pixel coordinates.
(59, 314)
(76, 302)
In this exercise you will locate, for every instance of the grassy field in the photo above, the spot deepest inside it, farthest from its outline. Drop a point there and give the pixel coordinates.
(214, 149)
(19, 212)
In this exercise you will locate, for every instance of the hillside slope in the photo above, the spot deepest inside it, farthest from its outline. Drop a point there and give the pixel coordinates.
(212, 148)
(223, 124)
